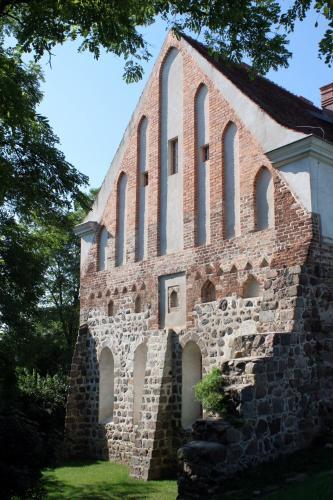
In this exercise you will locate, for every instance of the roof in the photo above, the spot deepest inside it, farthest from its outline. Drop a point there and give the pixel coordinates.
(287, 109)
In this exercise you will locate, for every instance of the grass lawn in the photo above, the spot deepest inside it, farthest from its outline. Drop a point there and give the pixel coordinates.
(305, 475)
(102, 480)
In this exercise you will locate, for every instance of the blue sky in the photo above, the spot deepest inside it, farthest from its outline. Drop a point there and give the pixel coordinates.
(89, 105)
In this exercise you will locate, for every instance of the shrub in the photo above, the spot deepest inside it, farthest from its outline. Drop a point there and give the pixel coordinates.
(210, 391)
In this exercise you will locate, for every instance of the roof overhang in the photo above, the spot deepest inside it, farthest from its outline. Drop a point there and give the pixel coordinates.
(85, 228)
(310, 146)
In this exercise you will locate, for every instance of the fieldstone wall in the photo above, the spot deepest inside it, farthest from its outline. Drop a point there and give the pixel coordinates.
(281, 382)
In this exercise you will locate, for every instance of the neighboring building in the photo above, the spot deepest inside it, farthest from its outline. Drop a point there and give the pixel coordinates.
(210, 243)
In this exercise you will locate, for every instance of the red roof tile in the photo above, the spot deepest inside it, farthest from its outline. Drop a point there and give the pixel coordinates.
(289, 110)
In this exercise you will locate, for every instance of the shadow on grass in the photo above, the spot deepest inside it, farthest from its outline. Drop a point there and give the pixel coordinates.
(100, 491)
(101, 480)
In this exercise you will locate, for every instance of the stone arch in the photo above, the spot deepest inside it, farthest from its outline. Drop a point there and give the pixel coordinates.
(139, 371)
(141, 243)
(138, 304)
(106, 385)
(252, 288)
(121, 219)
(173, 299)
(191, 375)
(231, 180)
(102, 245)
(208, 292)
(264, 199)
(202, 177)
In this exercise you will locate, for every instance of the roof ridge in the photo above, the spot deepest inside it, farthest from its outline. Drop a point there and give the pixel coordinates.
(244, 66)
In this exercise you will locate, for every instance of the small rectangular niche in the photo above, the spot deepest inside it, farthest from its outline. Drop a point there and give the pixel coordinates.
(205, 153)
(172, 300)
(173, 156)
(144, 179)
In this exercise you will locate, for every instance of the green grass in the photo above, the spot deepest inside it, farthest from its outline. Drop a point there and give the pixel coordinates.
(102, 480)
(305, 475)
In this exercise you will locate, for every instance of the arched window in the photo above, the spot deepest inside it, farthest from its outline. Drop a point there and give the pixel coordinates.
(142, 191)
(102, 245)
(106, 385)
(208, 292)
(110, 308)
(231, 181)
(138, 304)
(174, 300)
(264, 196)
(202, 165)
(139, 371)
(252, 288)
(121, 220)
(191, 375)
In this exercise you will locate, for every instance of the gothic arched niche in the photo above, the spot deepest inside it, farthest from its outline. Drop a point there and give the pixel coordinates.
(208, 292)
(106, 385)
(231, 181)
(102, 249)
(202, 167)
(251, 288)
(121, 220)
(264, 198)
(191, 375)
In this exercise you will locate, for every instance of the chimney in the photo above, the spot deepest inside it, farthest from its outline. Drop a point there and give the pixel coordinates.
(326, 94)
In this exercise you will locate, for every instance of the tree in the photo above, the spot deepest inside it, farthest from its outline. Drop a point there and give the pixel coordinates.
(234, 28)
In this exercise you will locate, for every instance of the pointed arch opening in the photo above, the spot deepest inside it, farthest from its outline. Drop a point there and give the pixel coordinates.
(191, 375)
(106, 385)
(102, 245)
(208, 292)
(231, 191)
(121, 220)
(139, 372)
(264, 200)
(252, 288)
